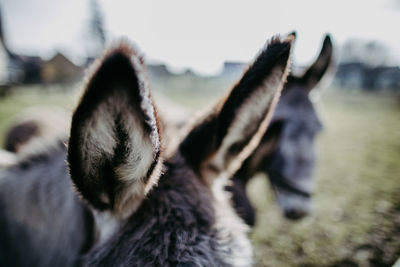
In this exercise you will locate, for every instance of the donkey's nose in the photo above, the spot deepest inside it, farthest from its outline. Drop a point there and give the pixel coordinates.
(295, 214)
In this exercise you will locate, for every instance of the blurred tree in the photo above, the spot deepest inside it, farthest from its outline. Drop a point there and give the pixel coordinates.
(376, 54)
(349, 51)
(368, 65)
(96, 29)
(1, 27)
(3, 59)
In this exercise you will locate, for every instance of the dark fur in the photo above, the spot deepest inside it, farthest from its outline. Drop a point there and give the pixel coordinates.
(19, 135)
(215, 126)
(293, 127)
(173, 225)
(253, 77)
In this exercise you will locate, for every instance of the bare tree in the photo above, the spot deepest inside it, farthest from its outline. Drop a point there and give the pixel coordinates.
(96, 28)
(1, 27)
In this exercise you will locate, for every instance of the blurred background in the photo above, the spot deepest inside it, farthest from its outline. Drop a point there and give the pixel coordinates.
(196, 50)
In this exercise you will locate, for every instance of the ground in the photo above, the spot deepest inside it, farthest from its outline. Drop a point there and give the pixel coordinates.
(356, 219)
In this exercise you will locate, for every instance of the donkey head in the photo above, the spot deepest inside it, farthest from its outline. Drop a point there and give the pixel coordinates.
(286, 152)
(165, 213)
(292, 131)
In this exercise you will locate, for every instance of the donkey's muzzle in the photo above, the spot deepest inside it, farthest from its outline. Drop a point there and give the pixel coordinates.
(293, 206)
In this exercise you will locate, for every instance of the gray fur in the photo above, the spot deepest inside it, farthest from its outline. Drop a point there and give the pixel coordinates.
(42, 221)
(294, 157)
(286, 154)
(178, 221)
(183, 223)
(287, 150)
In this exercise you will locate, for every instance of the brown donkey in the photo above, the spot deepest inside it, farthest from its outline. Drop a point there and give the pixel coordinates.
(143, 209)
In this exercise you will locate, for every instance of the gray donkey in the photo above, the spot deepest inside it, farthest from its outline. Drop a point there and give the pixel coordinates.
(291, 181)
(286, 151)
(139, 208)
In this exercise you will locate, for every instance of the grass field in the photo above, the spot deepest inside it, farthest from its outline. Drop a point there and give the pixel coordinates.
(356, 220)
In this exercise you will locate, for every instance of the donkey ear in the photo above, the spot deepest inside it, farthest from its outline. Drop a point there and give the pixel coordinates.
(114, 147)
(260, 157)
(221, 136)
(317, 70)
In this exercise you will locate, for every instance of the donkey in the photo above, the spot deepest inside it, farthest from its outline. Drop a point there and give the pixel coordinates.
(286, 151)
(139, 207)
(36, 127)
(293, 198)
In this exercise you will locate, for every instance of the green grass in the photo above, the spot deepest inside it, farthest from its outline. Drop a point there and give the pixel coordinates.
(28, 96)
(356, 217)
(357, 200)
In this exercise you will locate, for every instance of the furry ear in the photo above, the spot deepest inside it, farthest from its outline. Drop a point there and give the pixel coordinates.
(260, 157)
(114, 147)
(222, 135)
(317, 70)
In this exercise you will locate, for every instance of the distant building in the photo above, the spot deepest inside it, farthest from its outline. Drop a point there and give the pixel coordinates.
(349, 75)
(189, 72)
(3, 64)
(387, 78)
(360, 76)
(3, 58)
(17, 68)
(233, 69)
(158, 70)
(24, 69)
(60, 69)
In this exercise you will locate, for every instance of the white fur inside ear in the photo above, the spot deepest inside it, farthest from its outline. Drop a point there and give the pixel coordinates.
(133, 171)
(100, 140)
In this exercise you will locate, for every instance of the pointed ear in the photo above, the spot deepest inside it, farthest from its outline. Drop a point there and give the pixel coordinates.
(221, 136)
(114, 147)
(317, 70)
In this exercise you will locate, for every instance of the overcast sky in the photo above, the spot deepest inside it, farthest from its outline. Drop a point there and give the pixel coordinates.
(199, 34)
